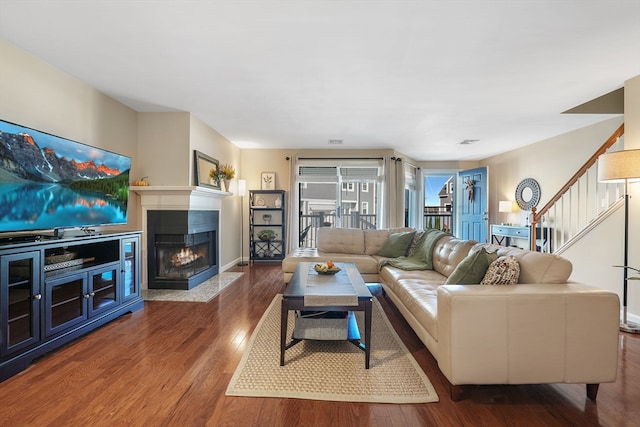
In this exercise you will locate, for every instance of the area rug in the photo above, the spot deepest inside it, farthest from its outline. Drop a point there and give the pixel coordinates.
(204, 292)
(330, 370)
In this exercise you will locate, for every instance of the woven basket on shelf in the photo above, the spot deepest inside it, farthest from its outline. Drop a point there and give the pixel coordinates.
(54, 259)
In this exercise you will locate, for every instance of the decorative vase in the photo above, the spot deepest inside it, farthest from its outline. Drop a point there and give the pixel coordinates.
(226, 182)
(278, 202)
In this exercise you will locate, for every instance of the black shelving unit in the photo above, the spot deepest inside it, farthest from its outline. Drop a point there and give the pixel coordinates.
(267, 212)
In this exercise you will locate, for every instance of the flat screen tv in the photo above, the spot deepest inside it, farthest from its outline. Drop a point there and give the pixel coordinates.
(52, 183)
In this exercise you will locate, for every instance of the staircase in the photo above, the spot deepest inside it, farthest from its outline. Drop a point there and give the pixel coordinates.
(580, 205)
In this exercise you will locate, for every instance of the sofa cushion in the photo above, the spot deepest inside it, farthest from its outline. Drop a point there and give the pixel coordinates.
(341, 240)
(397, 244)
(449, 252)
(503, 271)
(535, 267)
(418, 292)
(472, 269)
(374, 239)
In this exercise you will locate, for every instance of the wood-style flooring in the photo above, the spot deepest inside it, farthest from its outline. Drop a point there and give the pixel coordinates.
(169, 365)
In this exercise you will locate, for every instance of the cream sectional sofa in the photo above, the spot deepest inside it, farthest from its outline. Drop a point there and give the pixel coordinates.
(545, 329)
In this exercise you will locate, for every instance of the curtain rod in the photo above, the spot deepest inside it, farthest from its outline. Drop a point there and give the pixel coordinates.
(398, 159)
(340, 158)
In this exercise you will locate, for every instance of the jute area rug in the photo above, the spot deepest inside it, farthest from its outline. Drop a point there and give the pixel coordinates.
(204, 292)
(330, 370)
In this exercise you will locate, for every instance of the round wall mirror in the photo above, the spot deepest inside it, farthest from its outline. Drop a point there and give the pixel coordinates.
(528, 194)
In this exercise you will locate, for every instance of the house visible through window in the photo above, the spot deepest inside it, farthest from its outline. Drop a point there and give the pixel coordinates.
(438, 212)
(339, 193)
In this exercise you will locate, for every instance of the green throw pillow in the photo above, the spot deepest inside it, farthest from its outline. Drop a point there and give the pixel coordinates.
(396, 244)
(472, 269)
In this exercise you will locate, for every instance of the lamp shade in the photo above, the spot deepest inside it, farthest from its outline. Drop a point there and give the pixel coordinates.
(619, 166)
(242, 187)
(506, 206)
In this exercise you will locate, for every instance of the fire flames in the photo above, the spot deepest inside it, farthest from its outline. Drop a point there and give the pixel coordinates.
(184, 257)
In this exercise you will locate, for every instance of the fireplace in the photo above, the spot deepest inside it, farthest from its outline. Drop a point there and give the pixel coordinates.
(182, 248)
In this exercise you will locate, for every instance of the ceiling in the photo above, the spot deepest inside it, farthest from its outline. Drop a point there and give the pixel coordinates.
(416, 76)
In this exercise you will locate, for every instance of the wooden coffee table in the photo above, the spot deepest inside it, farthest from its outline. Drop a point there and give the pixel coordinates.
(345, 291)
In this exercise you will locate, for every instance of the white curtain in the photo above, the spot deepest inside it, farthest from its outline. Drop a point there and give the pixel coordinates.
(293, 240)
(413, 187)
(396, 193)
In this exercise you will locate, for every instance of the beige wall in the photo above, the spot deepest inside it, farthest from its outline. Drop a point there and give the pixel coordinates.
(34, 94)
(210, 142)
(552, 162)
(37, 95)
(161, 155)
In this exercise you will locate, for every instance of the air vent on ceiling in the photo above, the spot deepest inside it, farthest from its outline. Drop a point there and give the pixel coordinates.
(468, 141)
(335, 141)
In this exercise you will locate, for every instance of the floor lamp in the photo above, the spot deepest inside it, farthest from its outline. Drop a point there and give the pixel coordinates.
(242, 191)
(622, 166)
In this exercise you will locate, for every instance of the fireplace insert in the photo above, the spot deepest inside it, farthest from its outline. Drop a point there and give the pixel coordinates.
(182, 248)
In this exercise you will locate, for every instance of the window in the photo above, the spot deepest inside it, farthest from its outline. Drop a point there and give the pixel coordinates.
(438, 212)
(331, 192)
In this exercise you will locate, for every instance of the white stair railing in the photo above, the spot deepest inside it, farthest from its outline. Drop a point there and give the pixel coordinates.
(579, 206)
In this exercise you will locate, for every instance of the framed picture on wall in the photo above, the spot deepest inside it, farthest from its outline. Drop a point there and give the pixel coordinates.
(268, 181)
(206, 170)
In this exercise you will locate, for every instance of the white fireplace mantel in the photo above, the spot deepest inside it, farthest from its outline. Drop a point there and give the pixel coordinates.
(157, 197)
(179, 197)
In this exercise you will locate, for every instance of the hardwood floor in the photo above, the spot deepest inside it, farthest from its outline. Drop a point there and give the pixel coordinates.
(169, 365)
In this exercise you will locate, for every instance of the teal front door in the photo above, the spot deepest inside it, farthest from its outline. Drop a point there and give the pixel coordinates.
(471, 204)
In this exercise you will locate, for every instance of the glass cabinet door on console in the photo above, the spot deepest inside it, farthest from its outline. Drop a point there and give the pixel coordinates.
(130, 268)
(103, 288)
(65, 302)
(20, 301)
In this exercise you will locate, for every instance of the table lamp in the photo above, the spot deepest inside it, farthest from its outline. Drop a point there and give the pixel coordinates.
(506, 206)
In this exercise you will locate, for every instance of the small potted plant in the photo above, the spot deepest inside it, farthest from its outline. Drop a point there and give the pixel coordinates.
(266, 235)
(226, 173)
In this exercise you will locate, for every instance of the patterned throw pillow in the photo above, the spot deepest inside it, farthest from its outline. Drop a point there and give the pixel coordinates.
(503, 271)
